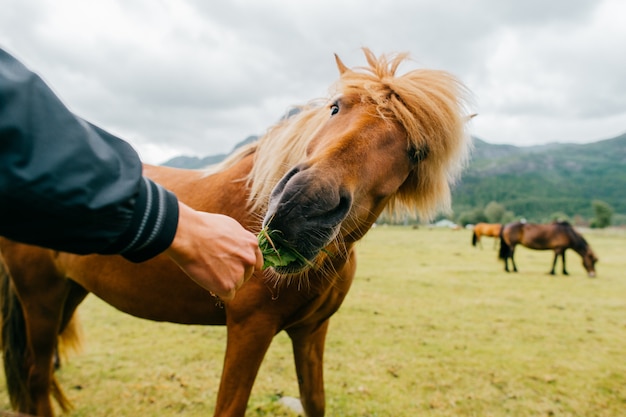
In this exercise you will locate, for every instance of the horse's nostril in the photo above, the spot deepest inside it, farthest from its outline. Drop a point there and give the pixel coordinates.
(341, 210)
(278, 189)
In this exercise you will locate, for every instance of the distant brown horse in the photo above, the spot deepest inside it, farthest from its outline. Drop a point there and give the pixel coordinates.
(486, 229)
(557, 236)
(320, 178)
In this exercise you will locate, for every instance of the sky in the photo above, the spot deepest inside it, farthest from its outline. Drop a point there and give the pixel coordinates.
(195, 77)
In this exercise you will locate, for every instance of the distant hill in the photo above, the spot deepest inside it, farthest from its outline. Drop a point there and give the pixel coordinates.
(193, 162)
(537, 181)
(533, 182)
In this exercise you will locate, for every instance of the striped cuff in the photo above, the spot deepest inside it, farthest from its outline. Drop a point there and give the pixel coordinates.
(153, 225)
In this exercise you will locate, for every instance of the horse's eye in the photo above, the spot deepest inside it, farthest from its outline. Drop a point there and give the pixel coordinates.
(334, 109)
(418, 155)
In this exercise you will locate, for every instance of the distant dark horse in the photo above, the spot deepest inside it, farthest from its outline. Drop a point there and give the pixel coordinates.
(558, 236)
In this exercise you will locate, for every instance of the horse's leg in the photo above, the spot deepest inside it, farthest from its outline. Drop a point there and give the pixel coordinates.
(42, 310)
(247, 343)
(513, 258)
(75, 295)
(563, 259)
(308, 348)
(556, 256)
(68, 333)
(504, 253)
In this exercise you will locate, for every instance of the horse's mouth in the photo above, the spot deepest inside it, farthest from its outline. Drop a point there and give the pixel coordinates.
(286, 257)
(292, 268)
(294, 250)
(299, 267)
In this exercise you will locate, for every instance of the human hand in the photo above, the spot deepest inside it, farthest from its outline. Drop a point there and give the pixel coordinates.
(215, 251)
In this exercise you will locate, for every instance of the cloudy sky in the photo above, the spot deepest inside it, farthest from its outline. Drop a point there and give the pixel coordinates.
(195, 77)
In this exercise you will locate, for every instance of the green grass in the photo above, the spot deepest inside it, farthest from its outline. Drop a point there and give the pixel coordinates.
(431, 327)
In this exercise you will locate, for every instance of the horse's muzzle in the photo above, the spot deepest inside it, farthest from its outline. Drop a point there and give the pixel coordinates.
(308, 210)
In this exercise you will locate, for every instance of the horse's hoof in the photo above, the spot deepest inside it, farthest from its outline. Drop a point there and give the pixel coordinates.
(293, 404)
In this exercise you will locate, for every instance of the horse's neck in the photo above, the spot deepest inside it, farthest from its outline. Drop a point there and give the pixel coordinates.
(578, 244)
(228, 193)
(225, 192)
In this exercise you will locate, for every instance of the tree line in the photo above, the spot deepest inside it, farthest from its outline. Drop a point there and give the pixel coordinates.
(495, 212)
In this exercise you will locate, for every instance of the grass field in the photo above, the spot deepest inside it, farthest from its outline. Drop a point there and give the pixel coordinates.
(431, 327)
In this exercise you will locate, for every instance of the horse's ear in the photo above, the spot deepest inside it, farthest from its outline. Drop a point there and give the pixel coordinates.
(340, 65)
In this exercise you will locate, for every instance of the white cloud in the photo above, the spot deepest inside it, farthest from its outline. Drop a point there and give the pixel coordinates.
(196, 77)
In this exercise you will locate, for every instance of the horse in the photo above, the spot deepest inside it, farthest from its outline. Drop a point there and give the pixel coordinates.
(380, 142)
(486, 229)
(557, 236)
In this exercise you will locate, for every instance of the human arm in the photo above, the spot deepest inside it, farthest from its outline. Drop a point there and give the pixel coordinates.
(69, 185)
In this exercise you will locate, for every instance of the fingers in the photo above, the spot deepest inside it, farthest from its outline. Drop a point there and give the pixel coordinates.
(259, 259)
(229, 295)
(247, 274)
(248, 270)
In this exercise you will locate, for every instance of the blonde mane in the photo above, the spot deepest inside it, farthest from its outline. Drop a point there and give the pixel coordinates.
(429, 104)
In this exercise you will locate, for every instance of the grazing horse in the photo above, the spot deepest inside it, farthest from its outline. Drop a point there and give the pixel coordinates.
(486, 229)
(558, 236)
(320, 178)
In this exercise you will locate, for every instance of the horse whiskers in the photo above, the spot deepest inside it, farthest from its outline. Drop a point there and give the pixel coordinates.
(323, 267)
(329, 270)
(353, 227)
(259, 218)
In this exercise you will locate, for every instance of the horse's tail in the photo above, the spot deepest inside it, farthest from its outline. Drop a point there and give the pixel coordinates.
(474, 238)
(70, 338)
(14, 344)
(505, 249)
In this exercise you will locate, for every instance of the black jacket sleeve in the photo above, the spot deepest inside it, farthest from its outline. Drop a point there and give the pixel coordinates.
(68, 185)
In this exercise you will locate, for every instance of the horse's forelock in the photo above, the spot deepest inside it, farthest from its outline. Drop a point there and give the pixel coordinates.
(431, 107)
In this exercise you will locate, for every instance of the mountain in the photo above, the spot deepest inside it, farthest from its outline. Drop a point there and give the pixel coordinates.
(534, 182)
(193, 162)
(538, 181)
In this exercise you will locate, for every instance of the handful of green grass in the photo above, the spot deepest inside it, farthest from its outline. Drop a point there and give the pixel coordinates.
(276, 251)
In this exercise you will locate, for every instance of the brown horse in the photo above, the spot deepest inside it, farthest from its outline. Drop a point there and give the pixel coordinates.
(486, 229)
(384, 141)
(558, 236)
